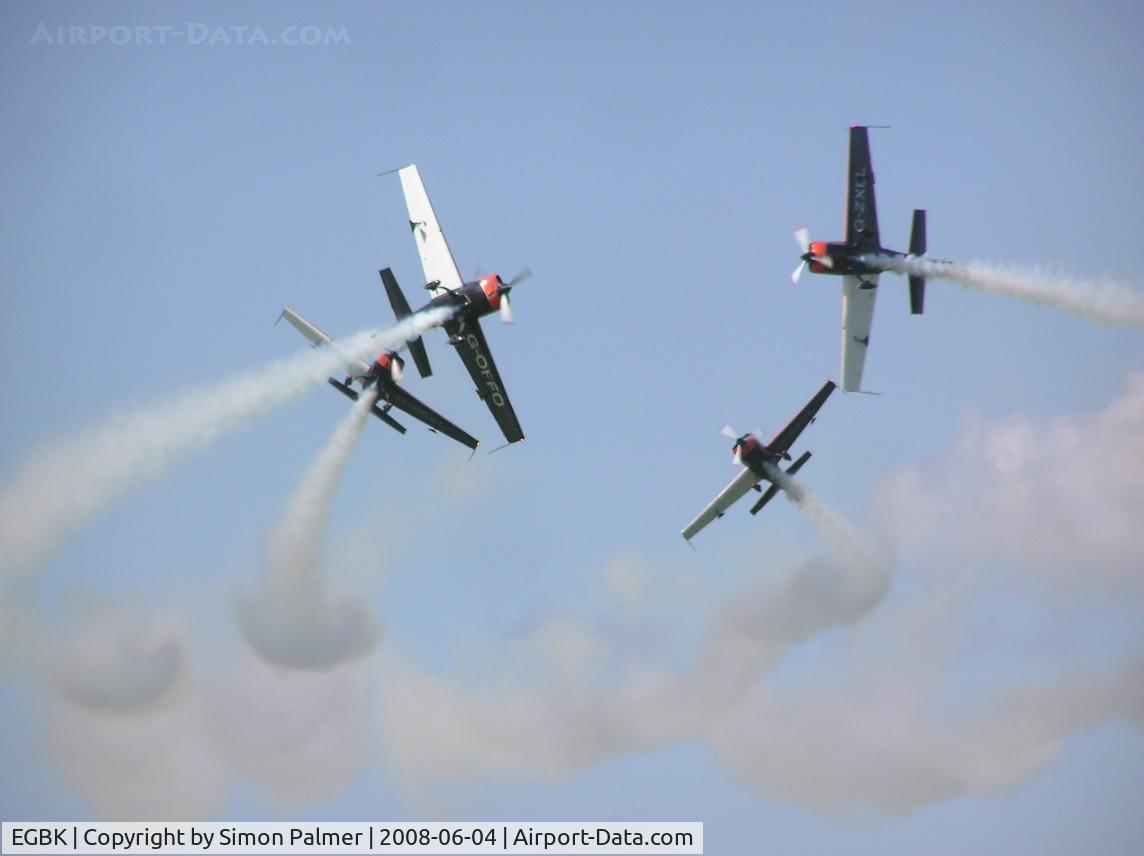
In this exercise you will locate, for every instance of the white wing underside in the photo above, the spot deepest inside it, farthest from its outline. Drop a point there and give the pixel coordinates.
(743, 482)
(436, 259)
(319, 339)
(857, 318)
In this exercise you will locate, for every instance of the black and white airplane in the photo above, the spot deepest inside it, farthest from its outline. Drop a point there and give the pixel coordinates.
(759, 462)
(470, 301)
(384, 374)
(855, 260)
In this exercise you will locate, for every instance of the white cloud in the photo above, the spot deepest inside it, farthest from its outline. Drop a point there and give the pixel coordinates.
(105, 658)
(154, 762)
(138, 734)
(301, 735)
(884, 748)
(1066, 496)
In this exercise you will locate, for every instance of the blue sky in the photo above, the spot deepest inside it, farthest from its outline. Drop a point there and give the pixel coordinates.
(649, 163)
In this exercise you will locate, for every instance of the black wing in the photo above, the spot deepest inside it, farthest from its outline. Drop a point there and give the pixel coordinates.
(474, 350)
(785, 438)
(861, 212)
(402, 400)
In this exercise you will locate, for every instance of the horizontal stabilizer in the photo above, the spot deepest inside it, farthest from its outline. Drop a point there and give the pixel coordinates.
(770, 494)
(401, 310)
(797, 465)
(352, 395)
(918, 233)
(773, 490)
(918, 248)
(395, 294)
(917, 294)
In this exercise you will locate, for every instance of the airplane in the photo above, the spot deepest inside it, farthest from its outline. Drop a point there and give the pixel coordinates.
(851, 260)
(470, 302)
(383, 374)
(760, 462)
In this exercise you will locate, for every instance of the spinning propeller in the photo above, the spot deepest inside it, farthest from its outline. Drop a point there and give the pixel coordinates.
(802, 237)
(731, 434)
(504, 288)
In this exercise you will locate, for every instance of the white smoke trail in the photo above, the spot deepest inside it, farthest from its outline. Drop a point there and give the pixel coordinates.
(763, 622)
(299, 737)
(292, 621)
(65, 483)
(108, 659)
(433, 727)
(871, 562)
(1103, 301)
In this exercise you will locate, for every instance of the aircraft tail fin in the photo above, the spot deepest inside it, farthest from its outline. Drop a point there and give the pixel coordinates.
(401, 310)
(918, 248)
(772, 491)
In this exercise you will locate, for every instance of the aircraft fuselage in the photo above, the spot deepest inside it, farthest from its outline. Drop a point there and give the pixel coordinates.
(474, 299)
(381, 372)
(471, 302)
(757, 456)
(842, 259)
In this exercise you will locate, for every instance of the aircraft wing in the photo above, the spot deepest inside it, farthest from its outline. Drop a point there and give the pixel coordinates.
(861, 212)
(786, 437)
(436, 259)
(858, 295)
(416, 408)
(478, 359)
(743, 482)
(318, 339)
